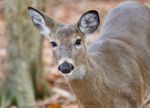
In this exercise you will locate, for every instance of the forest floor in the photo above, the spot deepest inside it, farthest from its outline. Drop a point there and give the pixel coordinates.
(66, 11)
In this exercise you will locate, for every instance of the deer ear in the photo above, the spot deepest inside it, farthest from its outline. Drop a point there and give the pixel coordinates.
(42, 22)
(89, 22)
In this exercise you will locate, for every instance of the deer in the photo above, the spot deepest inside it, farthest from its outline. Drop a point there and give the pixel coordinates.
(114, 70)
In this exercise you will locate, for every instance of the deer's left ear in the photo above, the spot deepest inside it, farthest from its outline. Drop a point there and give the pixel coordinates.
(89, 22)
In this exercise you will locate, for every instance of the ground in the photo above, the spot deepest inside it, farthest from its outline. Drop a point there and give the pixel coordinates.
(66, 11)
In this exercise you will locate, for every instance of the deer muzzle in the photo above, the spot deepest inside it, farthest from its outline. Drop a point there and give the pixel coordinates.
(65, 67)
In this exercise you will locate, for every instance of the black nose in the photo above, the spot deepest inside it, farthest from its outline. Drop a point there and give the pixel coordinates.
(65, 67)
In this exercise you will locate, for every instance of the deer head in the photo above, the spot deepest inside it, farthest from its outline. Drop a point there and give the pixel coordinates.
(68, 41)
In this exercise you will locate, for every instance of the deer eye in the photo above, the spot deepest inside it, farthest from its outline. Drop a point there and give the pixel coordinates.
(78, 42)
(54, 44)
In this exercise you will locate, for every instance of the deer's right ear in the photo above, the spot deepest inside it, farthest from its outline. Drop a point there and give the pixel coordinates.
(39, 21)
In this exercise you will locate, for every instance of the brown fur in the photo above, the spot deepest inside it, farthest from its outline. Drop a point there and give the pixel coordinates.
(116, 65)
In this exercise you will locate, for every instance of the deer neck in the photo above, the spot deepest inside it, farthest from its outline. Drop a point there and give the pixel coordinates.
(87, 72)
(84, 81)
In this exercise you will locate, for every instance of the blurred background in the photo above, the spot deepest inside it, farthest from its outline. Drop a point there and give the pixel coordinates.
(28, 72)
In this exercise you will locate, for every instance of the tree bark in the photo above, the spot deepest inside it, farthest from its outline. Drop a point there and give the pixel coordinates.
(23, 68)
(40, 85)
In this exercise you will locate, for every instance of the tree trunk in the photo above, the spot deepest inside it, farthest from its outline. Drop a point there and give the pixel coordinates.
(40, 85)
(23, 68)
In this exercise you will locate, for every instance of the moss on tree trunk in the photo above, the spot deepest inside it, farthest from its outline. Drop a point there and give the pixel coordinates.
(23, 81)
